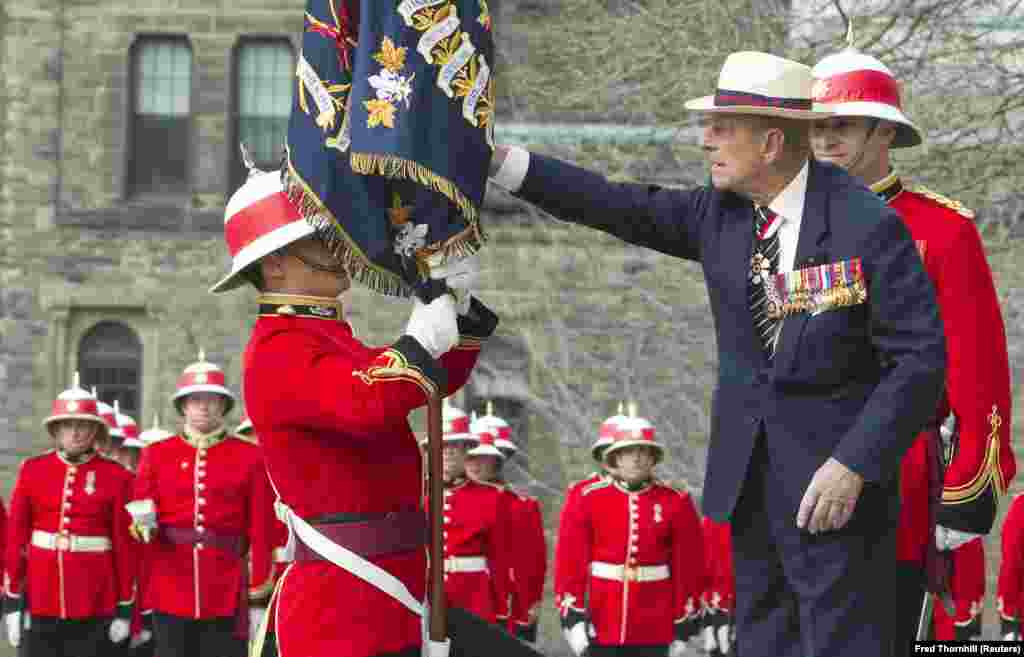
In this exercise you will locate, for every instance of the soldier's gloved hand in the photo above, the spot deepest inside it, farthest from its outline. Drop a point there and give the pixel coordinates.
(951, 539)
(13, 621)
(256, 615)
(574, 627)
(1010, 630)
(677, 649)
(144, 525)
(724, 636)
(434, 324)
(461, 276)
(120, 629)
(710, 643)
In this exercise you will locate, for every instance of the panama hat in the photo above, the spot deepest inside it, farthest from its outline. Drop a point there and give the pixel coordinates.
(763, 84)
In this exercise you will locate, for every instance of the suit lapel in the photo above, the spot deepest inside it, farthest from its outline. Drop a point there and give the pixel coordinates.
(813, 230)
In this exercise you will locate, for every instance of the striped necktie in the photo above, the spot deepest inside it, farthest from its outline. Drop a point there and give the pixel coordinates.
(764, 262)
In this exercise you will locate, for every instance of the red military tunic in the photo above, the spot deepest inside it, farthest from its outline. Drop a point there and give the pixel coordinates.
(977, 379)
(530, 559)
(478, 548)
(570, 507)
(968, 589)
(720, 588)
(1010, 591)
(77, 507)
(215, 485)
(640, 553)
(332, 416)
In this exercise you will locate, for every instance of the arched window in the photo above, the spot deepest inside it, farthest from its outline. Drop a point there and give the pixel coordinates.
(110, 358)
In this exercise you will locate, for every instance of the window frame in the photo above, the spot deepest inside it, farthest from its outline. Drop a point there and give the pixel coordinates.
(130, 183)
(235, 167)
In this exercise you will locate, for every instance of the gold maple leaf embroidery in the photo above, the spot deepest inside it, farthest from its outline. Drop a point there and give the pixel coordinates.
(399, 213)
(390, 57)
(381, 113)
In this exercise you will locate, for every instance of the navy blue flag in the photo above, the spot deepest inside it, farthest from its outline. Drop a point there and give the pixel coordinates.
(391, 133)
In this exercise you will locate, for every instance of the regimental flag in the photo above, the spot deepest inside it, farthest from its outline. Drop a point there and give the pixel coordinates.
(391, 132)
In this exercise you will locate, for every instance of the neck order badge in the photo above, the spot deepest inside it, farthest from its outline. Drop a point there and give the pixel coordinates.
(391, 130)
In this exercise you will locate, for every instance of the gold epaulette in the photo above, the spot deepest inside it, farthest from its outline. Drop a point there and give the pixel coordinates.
(944, 201)
(597, 485)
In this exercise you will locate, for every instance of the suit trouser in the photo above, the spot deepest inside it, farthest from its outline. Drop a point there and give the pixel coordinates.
(59, 637)
(804, 595)
(188, 637)
(903, 607)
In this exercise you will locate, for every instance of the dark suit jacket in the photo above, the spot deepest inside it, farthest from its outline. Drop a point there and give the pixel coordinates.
(857, 383)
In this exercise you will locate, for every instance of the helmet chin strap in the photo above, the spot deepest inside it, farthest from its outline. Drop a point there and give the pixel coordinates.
(864, 146)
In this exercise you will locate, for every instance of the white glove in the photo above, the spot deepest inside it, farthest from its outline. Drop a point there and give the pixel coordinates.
(461, 274)
(677, 649)
(436, 648)
(120, 629)
(142, 637)
(256, 615)
(1011, 636)
(951, 539)
(13, 620)
(433, 325)
(462, 277)
(724, 638)
(709, 639)
(577, 638)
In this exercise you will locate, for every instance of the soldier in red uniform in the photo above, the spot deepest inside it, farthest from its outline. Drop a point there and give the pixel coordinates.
(142, 621)
(332, 418)
(1010, 589)
(868, 122)
(128, 452)
(636, 544)
(968, 592)
(69, 560)
(525, 521)
(719, 598)
(213, 508)
(478, 516)
(605, 435)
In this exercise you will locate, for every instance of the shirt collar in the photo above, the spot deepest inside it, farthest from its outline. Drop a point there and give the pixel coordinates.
(789, 204)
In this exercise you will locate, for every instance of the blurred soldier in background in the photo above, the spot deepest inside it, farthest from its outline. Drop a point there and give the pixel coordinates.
(526, 522)
(631, 557)
(203, 504)
(69, 559)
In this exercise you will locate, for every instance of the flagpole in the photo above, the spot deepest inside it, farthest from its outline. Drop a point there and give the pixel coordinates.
(438, 630)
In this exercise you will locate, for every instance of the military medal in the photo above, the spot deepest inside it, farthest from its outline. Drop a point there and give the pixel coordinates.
(760, 268)
(90, 483)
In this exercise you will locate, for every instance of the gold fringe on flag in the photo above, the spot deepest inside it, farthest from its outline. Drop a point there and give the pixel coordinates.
(330, 230)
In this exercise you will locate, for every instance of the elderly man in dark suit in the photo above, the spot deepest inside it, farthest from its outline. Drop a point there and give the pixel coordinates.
(830, 351)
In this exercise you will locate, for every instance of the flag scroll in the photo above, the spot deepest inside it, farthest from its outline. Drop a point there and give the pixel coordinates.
(391, 133)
